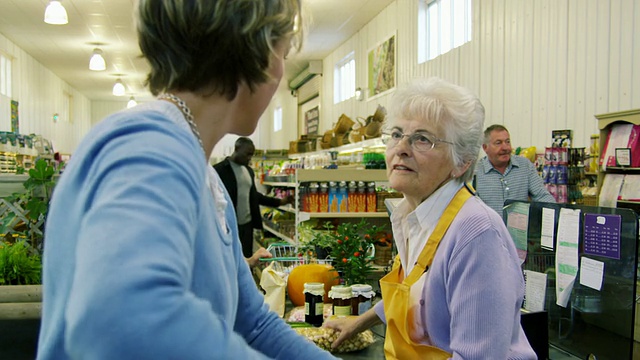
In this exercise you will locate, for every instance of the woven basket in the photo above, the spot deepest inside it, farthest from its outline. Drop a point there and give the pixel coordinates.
(344, 124)
(383, 255)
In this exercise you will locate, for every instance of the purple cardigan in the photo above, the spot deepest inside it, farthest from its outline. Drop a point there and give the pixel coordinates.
(473, 291)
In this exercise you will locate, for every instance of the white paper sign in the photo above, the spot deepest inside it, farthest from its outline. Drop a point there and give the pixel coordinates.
(567, 254)
(591, 273)
(535, 290)
(548, 227)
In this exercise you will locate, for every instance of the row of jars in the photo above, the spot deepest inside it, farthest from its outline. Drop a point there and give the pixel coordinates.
(347, 300)
(340, 196)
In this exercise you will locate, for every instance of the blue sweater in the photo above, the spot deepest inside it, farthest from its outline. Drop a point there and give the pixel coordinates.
(140, 260)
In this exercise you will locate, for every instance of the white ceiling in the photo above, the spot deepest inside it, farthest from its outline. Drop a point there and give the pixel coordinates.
(66, 49)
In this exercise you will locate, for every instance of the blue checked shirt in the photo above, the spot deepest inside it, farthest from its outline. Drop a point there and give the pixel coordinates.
(519, 182)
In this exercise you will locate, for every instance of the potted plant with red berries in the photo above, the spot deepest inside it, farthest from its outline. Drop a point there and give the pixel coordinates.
(350, 251)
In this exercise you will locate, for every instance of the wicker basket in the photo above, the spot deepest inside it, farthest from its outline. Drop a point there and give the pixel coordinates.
(383, 255)
(382, 196)
(590, 200)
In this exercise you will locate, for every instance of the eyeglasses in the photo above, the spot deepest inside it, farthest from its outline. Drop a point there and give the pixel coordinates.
(419, 141)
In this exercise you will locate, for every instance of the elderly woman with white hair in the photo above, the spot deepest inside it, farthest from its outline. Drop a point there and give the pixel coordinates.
(456, 287)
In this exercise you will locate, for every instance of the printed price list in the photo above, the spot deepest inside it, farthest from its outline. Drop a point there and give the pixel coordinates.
(602, 235)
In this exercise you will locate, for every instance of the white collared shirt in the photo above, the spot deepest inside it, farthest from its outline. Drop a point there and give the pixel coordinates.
(411, 229)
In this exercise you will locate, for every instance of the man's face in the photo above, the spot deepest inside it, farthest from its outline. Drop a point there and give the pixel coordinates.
(244, 154)
(498, 149)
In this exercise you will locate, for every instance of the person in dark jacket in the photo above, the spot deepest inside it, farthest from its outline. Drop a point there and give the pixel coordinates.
(238, 178)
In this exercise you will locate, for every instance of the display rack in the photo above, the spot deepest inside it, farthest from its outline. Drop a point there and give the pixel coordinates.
(605, 123)
(326, 175)
(353, 147)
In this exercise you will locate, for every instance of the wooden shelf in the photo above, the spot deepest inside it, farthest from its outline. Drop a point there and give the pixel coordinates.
(605, 122)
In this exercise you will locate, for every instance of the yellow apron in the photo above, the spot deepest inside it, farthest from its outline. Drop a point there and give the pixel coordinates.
(396, 293)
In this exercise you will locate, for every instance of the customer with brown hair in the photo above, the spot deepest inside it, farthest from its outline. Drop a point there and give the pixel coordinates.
(142, 258)
(456, 286)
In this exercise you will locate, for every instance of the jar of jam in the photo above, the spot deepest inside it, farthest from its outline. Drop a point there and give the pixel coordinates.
(313, 303)
(361, 300)
(341, 295)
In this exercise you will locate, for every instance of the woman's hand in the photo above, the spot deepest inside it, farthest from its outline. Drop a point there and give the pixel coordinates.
(352, 325)
(255, 258)
(345, 326)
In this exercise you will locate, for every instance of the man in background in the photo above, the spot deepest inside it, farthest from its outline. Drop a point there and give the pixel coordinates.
(239, 179)
(500, 176)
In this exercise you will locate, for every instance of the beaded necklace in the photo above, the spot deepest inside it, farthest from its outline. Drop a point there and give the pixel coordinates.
(187, 115)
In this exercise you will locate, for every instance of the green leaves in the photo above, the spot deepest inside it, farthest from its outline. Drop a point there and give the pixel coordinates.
(19, 264)
(32, 206)
(351, 244)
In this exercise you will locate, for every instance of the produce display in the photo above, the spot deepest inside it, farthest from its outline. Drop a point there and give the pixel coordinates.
(323, 337)
(297, 313)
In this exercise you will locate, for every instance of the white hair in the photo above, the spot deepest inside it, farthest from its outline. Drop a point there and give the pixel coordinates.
(452, 108)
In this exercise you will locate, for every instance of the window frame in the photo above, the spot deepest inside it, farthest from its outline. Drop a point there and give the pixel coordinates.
(6, 68)
(430, 44)
(277, 119)
(344, 87)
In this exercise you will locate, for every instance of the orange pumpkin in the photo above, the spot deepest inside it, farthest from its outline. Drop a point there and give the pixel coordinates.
(322, 273)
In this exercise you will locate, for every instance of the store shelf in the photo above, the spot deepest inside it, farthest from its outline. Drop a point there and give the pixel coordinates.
(622, 170)
(280, 184)
(287, 208)
(358, 146)
(322, 175)
(303, 216)
(605, 123)
(12, 183)
(279, 234)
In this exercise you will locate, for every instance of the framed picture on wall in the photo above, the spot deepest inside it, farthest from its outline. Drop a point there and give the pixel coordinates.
(15, 117)
(312, 120)
(381, 71)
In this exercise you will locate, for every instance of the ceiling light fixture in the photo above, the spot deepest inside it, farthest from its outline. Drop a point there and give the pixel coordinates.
(55, 14)
(97, 62)
(132, 102)
(118, 88)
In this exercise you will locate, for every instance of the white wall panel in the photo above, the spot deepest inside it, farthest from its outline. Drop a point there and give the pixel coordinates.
(102, 109)
(536, 65)
(40, 94)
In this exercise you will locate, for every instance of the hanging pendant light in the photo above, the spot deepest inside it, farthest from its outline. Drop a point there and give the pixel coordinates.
(118, 88)
(97, 62)
(55, 14)
(132, 102)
